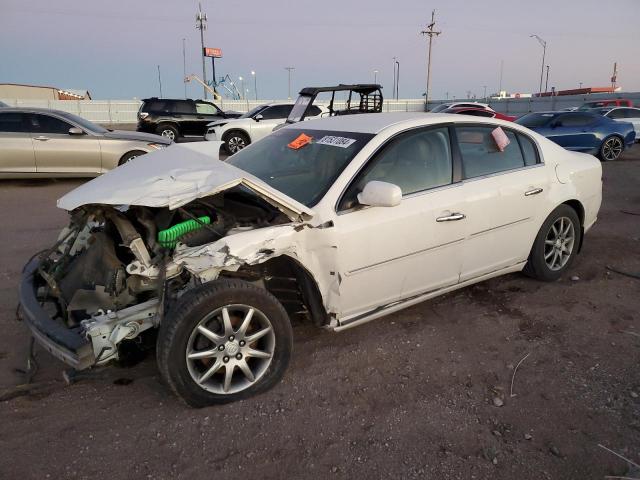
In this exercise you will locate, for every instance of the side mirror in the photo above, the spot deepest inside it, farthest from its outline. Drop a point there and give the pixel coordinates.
(380, 194)
(76, 131)
(258, 117)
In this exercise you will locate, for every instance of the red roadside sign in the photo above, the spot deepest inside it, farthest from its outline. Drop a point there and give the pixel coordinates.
(213, 52)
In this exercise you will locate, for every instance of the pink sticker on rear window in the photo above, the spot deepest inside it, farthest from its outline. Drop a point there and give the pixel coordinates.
(500, 138)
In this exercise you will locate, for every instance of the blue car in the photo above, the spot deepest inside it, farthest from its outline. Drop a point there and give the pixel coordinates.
(586, 132)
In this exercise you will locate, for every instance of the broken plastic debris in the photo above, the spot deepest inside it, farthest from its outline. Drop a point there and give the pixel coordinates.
(300, 141)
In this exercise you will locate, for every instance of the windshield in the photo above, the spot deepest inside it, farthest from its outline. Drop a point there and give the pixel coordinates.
(84, 123)
(532, 120)
(302, 164)
(440, 108)
(253, 111)
(590, 105)
(299, 109)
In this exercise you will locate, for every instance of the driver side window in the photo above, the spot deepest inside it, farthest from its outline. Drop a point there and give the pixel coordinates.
(414, 161)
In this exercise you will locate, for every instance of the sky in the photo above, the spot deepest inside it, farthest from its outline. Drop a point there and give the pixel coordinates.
(113, 47)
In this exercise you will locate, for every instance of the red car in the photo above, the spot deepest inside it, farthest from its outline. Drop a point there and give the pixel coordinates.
(479, 112)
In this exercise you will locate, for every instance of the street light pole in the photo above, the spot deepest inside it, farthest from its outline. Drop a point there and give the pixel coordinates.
(485, 92)
(393, 90)
(544, 52)
(242, 83)
(289, 69)
(184, 66)
(375, 76)
(201, 24)
(255, 83)
(397, 80)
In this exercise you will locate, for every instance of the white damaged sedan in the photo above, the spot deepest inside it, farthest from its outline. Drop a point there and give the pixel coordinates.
(342, 221)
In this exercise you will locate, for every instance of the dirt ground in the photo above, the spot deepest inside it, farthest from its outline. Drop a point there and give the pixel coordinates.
(412, 395)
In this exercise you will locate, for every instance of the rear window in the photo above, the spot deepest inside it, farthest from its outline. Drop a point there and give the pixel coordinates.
(12, 122)
(481, 155)
(532, 120)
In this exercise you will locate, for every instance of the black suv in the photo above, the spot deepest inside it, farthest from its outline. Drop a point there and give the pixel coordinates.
(178, 118)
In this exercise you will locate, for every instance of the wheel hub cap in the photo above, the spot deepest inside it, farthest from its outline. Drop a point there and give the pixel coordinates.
(558, 245)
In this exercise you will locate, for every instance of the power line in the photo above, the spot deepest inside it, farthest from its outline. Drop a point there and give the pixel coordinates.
(201, 24)
(430, 32)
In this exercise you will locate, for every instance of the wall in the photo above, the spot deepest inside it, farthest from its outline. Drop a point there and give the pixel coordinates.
(125, 111)
(8, 90)
(520, 106)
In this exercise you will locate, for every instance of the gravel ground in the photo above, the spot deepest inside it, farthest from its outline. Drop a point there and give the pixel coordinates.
(424, 393)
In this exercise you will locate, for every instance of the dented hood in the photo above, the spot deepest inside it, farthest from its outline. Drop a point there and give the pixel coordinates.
(173, 177)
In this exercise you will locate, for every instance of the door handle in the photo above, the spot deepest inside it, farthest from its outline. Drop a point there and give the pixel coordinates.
(42, 138)
(533, 191)
(451, 218)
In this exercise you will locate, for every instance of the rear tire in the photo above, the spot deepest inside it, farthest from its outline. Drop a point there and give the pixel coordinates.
(202, 339)
(611, 149)
(555, 246)
(168, 131)
(235, 141)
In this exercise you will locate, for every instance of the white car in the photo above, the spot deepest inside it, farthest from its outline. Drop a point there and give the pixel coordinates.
(345, 220)
(624, 114)
(445, 106)
(254, 125)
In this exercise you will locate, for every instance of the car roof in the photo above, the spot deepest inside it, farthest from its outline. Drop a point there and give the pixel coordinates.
(34, 110)
(377, 122)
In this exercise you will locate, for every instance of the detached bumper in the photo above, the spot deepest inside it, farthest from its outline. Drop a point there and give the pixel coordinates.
(63, 343)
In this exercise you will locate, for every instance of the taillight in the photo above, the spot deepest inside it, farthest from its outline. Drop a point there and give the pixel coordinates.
(143, 115)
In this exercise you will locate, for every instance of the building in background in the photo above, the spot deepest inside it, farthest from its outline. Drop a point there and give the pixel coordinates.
(36, 92)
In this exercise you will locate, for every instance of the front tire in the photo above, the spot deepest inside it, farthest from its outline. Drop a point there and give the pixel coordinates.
(235, 141)
(611, 149)
(224, 341)
(130, 156)
(555, 246)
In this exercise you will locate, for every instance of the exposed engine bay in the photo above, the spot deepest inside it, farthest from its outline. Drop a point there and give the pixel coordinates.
(112, 274)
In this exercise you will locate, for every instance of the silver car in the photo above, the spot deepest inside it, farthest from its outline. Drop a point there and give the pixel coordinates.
(37, 142)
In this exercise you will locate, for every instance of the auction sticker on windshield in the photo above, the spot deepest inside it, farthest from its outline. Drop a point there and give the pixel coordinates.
(300, 141)
(341, 142)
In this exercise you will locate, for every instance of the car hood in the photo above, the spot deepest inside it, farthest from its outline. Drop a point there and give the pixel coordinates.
(225, 121)
(143, 137)
(173, 177)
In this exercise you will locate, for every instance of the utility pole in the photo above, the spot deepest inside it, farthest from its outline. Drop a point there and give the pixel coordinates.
(201, 24)
(184, 66)
(614, 77)
(160, 81)
(546, 83)
(500, 84)
(243, 92)
(255, 83)
(485, 92)
(544, 52)
(375, 76)
(431, 32)
(289, 69)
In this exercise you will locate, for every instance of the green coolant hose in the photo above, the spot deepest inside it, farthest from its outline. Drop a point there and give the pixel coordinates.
(169, 238)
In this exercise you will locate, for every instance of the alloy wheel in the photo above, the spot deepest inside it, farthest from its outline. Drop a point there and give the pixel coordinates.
(230, 349)
(559, 243)
(612, 148)
(169, 134)
(235, 144)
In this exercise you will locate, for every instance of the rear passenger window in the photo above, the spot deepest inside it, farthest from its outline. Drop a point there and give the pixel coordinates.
(480, 153)
(12, 122)
(529, 150)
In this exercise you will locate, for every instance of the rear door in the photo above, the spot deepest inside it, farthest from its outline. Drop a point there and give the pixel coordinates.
(574, 131)
(506, 194)
(16, 146)
(57, 151)
(271, 116)
(184, 113)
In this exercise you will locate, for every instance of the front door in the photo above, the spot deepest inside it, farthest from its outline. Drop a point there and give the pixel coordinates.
(58, 151)
(270, 117)
(573, 131)
(16, 146)
(206, 113)
(387, 254)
